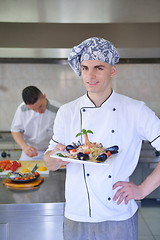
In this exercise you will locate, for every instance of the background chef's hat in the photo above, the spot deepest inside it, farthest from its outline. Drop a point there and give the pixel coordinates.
(92, 49)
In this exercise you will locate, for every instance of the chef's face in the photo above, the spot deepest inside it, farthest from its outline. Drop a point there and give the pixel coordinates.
(40, 105)
(97, 76)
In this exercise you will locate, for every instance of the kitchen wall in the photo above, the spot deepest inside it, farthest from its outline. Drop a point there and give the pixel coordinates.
(59, 82)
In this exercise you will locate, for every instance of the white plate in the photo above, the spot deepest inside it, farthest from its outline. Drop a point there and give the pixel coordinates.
(106, 163)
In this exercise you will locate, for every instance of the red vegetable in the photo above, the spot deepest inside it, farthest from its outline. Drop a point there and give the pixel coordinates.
(9, 165)
(36, 174)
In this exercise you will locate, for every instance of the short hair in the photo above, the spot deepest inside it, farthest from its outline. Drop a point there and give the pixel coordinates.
(31, 94)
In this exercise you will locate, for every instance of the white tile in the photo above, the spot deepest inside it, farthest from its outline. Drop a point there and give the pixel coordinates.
(59, 82)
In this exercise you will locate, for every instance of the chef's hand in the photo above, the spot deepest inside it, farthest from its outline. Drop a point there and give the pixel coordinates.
(127, 191)
(30, 151)
(54, 163)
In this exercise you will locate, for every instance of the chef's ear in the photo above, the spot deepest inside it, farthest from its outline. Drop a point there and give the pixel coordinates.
(113, 71)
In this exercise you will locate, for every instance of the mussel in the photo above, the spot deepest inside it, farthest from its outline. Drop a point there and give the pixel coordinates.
(70, 147)
(102, 157)
(83, 156)
(114, 149)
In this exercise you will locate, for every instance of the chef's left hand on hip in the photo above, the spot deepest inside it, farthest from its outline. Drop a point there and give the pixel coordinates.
(126, 192)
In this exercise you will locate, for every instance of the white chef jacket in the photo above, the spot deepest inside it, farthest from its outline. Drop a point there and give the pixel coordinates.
(37, 128)
(120, 121)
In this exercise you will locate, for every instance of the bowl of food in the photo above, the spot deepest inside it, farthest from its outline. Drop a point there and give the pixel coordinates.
(24, 176)
(19, 177)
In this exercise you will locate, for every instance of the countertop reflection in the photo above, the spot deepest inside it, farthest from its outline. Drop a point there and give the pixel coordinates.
(50, 191)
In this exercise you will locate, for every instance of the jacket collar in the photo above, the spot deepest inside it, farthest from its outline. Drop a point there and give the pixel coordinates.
(87, 102)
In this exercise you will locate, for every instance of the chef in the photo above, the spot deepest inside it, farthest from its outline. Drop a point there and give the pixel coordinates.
(32, 125)
(91, 211)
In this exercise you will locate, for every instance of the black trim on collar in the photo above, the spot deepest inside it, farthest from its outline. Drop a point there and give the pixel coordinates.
(102, 102)
(154, 139)
(54, 141)
(90, 107)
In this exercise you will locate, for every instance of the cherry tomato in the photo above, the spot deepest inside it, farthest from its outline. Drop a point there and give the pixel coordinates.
(17, 178)
(108, 154)
(36, 174)
(85, 152)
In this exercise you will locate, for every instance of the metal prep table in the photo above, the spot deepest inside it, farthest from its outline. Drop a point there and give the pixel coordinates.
(33, 214)
(38, 214)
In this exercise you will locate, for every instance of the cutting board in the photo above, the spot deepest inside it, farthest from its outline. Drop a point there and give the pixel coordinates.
(23, 186)
(30, 165)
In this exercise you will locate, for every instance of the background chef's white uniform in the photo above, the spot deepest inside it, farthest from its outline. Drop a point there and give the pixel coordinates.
(119, 121)
(37, 128)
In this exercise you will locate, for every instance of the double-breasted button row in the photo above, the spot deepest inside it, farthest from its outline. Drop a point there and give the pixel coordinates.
(114, 109)
(109, 176)
(112, 131)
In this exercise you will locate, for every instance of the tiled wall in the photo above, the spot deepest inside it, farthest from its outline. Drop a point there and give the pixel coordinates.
(59, 82)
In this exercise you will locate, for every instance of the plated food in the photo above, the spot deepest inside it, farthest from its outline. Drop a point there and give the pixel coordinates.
(89, 152)
(24, 177)
(19, 177)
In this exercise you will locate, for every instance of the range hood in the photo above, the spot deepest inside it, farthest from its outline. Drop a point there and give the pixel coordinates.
(63, 53)
(48, 29)
(84, 11)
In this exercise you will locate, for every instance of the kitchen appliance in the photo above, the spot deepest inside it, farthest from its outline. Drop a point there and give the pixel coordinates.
(8, 148)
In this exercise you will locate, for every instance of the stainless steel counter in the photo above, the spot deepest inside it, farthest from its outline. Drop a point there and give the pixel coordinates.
(33, 214)
(38, 214)
(50, 191)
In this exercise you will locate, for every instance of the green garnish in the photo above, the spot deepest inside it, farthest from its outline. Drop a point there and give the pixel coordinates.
(85, 132)
(60, 155)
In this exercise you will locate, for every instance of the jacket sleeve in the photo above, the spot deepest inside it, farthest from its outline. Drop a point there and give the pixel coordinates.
(149, 126)
(17, 122)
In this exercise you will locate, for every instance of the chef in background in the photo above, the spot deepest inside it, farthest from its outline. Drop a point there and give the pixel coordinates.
(32, 125)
